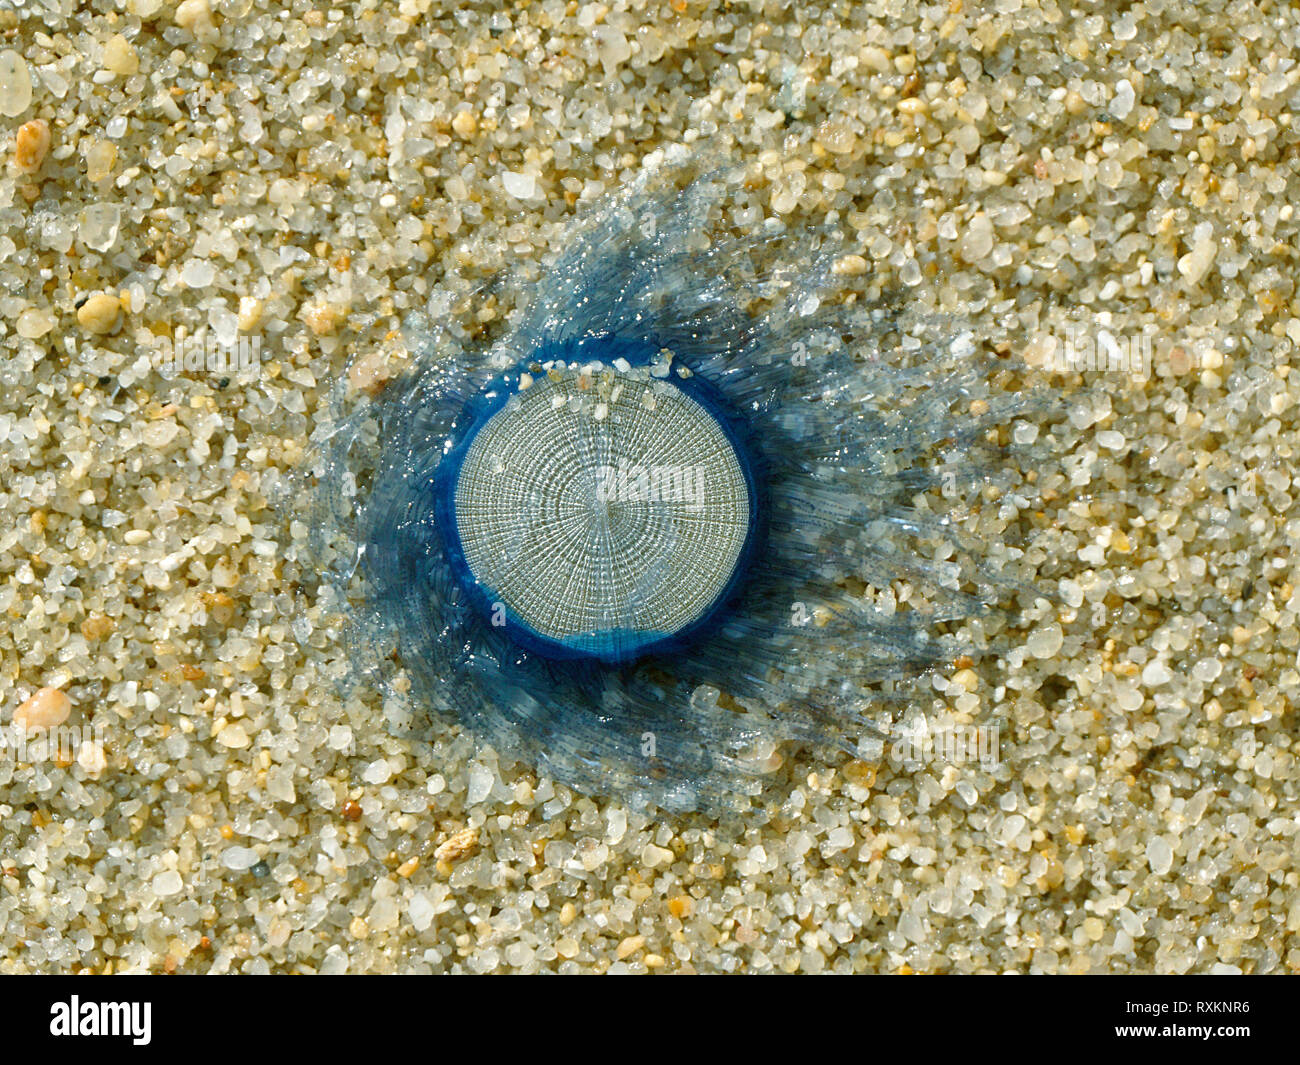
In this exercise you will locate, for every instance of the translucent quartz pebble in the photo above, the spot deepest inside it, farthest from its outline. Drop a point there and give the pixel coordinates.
(239, 858)
(99, 225)
(15, 84)
(520, 186)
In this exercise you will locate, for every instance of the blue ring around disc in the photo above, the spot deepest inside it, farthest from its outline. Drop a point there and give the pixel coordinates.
(614, 645)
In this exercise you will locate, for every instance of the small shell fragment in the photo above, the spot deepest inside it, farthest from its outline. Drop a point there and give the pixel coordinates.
(31, 145)
(48, 708)
(120, 57)
(457, 845)
(100, 314)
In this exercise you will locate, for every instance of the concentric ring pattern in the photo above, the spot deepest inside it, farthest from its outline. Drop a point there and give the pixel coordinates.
(603, 509)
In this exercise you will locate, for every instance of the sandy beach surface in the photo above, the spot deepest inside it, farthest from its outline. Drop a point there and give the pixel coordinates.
(1118, 178)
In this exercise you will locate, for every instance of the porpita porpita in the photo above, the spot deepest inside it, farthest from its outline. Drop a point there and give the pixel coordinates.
(696, 503)
(597, 502)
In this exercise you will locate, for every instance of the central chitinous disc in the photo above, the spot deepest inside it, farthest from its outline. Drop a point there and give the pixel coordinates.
(598, 505)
